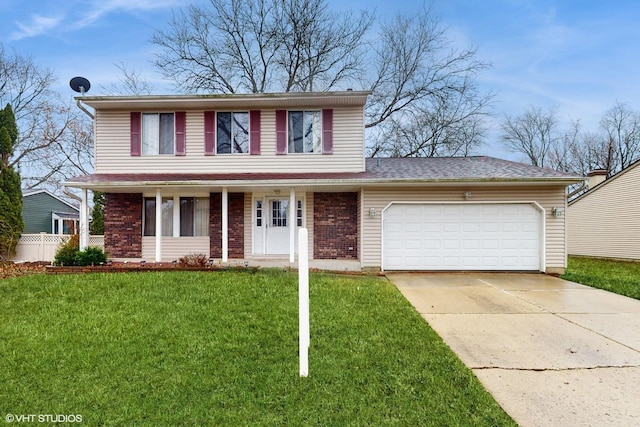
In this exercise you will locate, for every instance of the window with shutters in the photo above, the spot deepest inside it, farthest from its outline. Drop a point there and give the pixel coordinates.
(157, 133)
(232, 132)
(304, 132)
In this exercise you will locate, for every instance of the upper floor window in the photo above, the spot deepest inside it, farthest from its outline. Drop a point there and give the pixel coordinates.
(308, 131)
(232, 132)
(304, 132)
(157, 133)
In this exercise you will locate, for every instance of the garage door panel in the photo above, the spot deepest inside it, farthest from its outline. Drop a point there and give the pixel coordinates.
(461, 236)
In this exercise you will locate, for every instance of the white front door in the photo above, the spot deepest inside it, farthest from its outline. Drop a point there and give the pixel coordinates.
(272, 222)
(278, 223)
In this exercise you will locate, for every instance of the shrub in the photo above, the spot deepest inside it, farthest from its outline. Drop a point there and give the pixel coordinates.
(67, 251)
(90, 256)
(193, 260)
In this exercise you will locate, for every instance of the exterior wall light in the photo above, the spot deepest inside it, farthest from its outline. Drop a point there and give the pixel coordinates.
(372, 212)
(557, 211)
(467, 195)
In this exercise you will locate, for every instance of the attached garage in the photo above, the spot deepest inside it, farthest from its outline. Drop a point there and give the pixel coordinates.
(463, 236)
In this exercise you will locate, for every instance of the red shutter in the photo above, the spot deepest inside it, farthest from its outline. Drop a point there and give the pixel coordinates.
(209, 133)
(281, 131)
(136, 134)
(327, 131)
(254, 136)
(181, 124)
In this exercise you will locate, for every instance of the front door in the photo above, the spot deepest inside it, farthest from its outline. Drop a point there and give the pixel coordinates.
(278, 223)
(272, 222)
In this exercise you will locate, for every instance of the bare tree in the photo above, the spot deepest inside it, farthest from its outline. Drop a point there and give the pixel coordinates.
(232, 46)
(45, 123)
(532, 134)
(424, 97)
(131, 83)
(621, 126)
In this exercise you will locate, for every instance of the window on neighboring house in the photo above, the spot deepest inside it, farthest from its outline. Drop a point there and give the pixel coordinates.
(305, 132)
(157, 133)
(232, 133)
(194, 216)
(150, 216)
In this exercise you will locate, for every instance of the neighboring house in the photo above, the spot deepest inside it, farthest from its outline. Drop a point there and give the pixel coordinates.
(234, 177)
(43, 212)
(605, 221)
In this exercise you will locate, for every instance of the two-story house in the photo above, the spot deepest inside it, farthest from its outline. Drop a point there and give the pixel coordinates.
(235, 176)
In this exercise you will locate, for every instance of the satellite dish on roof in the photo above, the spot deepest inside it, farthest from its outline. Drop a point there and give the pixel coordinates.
(80, 85)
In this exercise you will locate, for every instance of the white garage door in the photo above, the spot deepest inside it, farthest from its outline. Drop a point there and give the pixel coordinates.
(461, 237)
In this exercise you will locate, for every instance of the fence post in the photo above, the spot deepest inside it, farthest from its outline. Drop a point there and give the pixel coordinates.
(41, 246)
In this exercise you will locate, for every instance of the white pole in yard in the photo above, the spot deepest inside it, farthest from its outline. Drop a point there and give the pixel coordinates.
(303, 296)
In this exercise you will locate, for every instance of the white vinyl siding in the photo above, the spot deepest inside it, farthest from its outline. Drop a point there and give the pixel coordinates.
(547, 197)
(173, 248)
(112, 151)
(606, 223)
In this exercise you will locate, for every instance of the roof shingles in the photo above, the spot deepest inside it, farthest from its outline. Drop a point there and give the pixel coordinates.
(477, 168)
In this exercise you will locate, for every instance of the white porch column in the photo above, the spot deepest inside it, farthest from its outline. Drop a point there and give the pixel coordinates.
(293, 221)
(84, 220)
(158, 226)
(225, 225)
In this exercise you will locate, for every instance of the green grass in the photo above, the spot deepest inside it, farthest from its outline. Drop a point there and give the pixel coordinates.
(621, 277)
(188, 348)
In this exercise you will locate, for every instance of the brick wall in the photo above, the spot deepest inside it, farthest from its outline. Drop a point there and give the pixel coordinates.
(123, 225)
(335, 225)
(236, 225)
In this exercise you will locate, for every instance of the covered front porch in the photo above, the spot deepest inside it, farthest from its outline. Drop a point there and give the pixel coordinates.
(255, 226)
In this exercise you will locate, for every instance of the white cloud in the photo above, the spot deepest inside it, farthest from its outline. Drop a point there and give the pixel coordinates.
(100, 8)
(38, 25)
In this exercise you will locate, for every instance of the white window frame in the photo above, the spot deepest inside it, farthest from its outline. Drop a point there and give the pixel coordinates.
(150, 135)
(233, 132)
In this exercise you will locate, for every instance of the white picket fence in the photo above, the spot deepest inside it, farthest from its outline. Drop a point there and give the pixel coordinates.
(43, 246)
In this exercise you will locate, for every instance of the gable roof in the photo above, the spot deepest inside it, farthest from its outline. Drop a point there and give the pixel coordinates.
(38, 191)
(606, 182)
(379, 171)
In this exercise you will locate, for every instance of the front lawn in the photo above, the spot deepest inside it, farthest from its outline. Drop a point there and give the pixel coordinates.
(221, 348)
(621, 277)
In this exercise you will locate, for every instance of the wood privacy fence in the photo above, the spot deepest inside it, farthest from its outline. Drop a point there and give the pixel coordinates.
(43, 246)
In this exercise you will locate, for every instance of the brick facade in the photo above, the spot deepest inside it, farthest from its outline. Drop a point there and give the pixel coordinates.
(123, 225)
(236, 225)
(335, 225)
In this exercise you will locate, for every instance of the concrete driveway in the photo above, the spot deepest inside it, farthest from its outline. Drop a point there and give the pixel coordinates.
(551, 352)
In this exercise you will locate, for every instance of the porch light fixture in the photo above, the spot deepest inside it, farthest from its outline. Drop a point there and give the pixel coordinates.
(467, 195)
(557, 211)
(372, 212)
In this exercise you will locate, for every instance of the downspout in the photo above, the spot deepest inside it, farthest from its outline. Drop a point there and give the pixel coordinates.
(83, 108)
(577, 190)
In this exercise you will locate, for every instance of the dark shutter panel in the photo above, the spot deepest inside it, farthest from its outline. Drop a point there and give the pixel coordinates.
(136, 134)
(209, 133)
(181, 124)
(327, 131)
(281, 131)
(254, 136)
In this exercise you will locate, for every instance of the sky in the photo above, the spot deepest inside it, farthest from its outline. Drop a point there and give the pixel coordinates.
(579, 57)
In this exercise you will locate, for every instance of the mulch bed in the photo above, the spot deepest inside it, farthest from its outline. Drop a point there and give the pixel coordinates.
(12, 269)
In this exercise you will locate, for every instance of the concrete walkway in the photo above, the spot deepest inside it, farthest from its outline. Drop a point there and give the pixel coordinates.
(551, 352)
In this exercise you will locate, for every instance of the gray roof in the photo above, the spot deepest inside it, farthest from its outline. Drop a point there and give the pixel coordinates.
(378, 171)
(460, 169)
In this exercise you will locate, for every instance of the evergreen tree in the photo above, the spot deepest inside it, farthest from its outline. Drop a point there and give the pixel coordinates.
(96, 227)
(11, 224)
